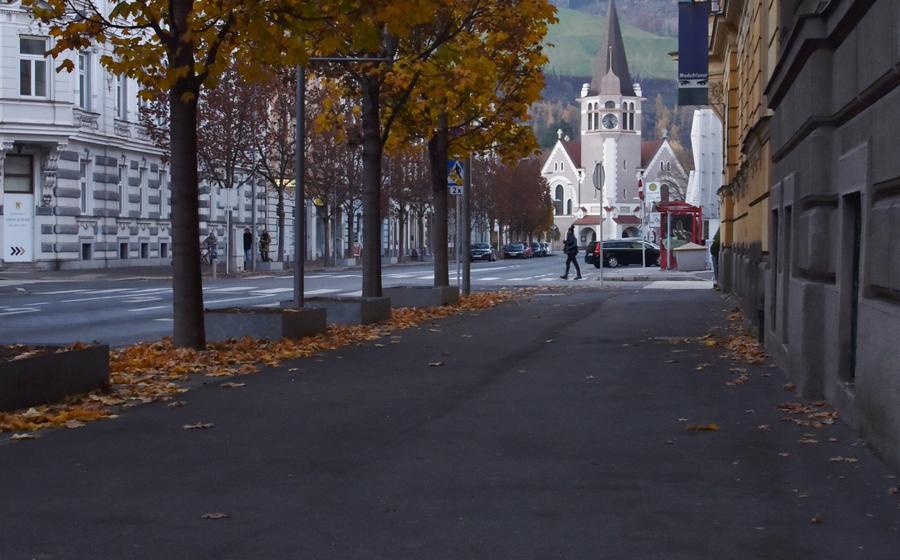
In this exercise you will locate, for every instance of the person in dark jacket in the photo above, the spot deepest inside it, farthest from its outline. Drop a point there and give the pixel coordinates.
(571, 248)
(248, 247)
(264, 241)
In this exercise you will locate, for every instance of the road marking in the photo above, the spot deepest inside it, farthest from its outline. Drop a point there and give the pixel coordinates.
(346, 276)
(357, 293)
(142, 299)
(273, 291)
(320, 292)
(679, 285)
(108, 291)
(151, 308)
(273, 304)
(231, 289)
(153, 290)
(403, 275)
(18, 311)
(165, 319)
(97, 298)
(236, 299)
(490, 278)
(429, 277)
(58, 292)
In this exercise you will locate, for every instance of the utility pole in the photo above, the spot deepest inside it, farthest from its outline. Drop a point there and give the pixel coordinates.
(253, 224)
(299, 187)
(466, 245)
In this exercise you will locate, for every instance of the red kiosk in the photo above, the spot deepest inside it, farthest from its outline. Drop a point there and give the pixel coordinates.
(686, 227)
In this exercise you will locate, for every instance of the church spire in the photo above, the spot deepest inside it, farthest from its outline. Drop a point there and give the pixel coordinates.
(611, 56)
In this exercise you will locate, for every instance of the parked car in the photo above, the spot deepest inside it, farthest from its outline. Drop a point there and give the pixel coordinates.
(622, 252)
(546, 249)
(482, 252)
(537, 249)
(518, 251)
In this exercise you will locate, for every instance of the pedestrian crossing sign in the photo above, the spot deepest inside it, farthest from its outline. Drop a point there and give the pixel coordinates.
(455, 176)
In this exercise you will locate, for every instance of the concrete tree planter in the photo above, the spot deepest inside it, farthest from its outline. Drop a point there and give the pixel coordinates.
(51, 374)
(272, 324)
(268, 266)
(422, 296)
(344, 310)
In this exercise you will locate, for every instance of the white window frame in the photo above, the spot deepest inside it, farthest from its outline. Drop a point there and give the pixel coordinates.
(121, 97)
(84, 80)
(34, 61)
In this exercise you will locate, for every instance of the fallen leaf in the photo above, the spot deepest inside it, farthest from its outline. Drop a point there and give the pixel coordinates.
(807, 440)
(73, 424)
(893, 490)
(783, 454)
(294, 369)
(379, 345)
(436, 364)
(710, 427)
(817, 519)
(232, 385)
(682, 419)
(466, 335)
(20, 437)
(840, 459)
(763, 427)
(215, 515)
(198, 426)
(176, 404)
(789, 387)
(672, 362)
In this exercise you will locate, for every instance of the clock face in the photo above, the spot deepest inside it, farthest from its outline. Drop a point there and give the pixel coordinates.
(610, 121)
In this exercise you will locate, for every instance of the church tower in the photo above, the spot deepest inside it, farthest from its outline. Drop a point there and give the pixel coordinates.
(611, 136)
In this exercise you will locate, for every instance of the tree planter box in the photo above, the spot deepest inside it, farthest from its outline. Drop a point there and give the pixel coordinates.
(268, 266)
(345, 262)
(422, 296)
(52, 375)
(272, 324)
(353, 310)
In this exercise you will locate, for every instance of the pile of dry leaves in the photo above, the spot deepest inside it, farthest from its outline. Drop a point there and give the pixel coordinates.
(153, 371)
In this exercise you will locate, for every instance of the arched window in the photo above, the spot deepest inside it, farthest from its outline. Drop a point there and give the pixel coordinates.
(610, 104)
(569, 207)
(558, 200)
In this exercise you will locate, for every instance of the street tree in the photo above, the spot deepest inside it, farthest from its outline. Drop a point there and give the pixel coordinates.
(181, 47)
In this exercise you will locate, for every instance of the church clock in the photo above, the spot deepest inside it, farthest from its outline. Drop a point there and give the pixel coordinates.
(610, 121)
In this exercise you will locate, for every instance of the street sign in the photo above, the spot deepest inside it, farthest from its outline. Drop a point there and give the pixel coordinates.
(654, 220)
(18, 227)
(455, 171)
(599, 176)
(653, 192)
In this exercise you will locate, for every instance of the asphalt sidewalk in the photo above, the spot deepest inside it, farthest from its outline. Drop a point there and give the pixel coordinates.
(555, 428)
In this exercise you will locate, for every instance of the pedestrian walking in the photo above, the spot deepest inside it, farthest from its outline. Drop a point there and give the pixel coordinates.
(714, 255)
(264, 241)
(571, 248)
(248, 246)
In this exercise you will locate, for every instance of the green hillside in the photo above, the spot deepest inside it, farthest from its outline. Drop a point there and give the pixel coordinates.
(577, 36)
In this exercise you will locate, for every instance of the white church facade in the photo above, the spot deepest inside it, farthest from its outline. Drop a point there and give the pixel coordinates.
(610, 138)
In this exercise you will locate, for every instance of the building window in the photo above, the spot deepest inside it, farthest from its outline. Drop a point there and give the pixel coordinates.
(164, 250)
(123, 250)
(121, 99)
(610, 104)
(569, 207)
(84, 81)
(558, 203)
(84, 186)
(18, 174)
(32, 67)
(562, 166)
(85, 251)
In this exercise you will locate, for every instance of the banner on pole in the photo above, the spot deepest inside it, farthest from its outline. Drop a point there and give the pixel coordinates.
(693, 52)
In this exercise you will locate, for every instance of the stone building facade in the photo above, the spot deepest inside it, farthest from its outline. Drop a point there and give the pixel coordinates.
(817, 264)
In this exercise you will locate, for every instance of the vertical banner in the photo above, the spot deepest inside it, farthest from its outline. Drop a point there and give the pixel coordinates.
(18, 227)
(693, 52)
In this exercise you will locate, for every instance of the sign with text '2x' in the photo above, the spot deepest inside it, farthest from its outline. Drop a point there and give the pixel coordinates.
(455, 180)
(18, 227)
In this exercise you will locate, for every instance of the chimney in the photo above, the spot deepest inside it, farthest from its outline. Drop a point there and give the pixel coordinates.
(637, 90)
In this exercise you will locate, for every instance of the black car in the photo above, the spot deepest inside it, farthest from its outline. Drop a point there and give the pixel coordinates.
(622, 252)
(482, 252)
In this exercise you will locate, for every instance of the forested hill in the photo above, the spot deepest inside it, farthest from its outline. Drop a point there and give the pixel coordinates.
(576, 39)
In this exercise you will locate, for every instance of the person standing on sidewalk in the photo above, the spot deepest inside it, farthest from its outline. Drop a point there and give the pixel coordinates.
(571, 248)
(248, 246)
(264, 241)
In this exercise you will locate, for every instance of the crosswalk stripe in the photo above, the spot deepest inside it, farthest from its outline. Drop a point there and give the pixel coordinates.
(320, 292)
(352, 294)
(231, 289)
(273, 291)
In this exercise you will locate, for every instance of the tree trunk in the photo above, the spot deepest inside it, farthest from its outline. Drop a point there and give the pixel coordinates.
(350, 222)
(372, 148)
(279, 214)
(438, 146)
(187, 285)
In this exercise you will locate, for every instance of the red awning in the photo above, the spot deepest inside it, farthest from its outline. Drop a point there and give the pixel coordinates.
(591, 220)
(627, 220)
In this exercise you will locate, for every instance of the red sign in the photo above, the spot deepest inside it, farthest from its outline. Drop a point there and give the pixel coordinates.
(641, 189)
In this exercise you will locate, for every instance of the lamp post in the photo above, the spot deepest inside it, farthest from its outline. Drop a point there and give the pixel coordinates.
(300, 164)
(599, 178)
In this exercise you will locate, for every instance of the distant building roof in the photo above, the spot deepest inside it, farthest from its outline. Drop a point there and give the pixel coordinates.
(611, 58)
(648, 150)
(589, 220)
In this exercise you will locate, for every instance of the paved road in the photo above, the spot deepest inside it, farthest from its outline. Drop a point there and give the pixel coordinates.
(555, 430)
(132, 309)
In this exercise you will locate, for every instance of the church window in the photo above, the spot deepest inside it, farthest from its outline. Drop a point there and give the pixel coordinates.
(562, 166)
(610, 104)
(558, 202)
(569, 207)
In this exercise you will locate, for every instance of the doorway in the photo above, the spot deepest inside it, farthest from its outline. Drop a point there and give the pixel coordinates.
(851, 248)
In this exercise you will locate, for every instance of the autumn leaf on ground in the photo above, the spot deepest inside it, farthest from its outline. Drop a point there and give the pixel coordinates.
(232, 385)
(73, 424)
(198, 426)
(807, 440)
(710, 427)
(436, 364)
(176, 404)
(21, 437)
(893, 491)
(789, 387)
(763, 427)
(215, 515)
(840, 459)
(784, 454)
(817, 519)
